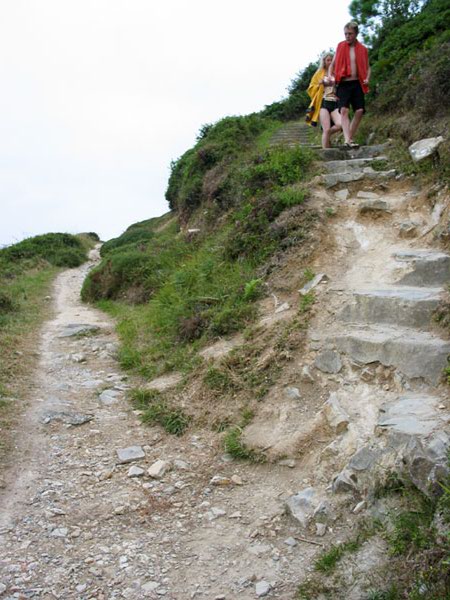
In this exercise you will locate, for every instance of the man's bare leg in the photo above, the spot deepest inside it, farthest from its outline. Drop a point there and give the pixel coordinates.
(346, 125)
(355, 122)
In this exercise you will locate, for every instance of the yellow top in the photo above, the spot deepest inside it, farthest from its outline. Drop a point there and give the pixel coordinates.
(315, 92)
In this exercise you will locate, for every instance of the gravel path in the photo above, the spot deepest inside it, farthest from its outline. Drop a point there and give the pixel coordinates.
(76, 522)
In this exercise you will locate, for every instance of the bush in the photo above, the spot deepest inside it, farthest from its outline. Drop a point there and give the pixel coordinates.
(58, 249)
(278, 167)
(218, 145)
(7, 304)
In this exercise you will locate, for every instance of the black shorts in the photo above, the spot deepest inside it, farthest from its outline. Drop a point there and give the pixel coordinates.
(349, 94)
(329, 105)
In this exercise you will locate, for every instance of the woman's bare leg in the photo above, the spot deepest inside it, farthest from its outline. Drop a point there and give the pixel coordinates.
(337, 122)
(325, 121)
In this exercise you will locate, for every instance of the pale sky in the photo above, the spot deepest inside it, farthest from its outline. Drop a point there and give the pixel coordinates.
(98, 96)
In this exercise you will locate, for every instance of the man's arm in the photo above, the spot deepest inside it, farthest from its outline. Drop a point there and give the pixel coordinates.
(367, 79)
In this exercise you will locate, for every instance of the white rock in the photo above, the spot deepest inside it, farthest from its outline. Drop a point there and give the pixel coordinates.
(181, 464)
(158, 469)
(335, 415)
(342, 194)
(282, 308)
(262, 588)
(287, 462)
(3, 588)
(215, 513)
(290, 541)
(149, 587)
(109, 397)
(359, 507)
(306, 375)
(135, 471)
(321, 529)
(59, 532)
(218, 480)
(313, 283)
(293, 393)
(424, 148)
(367, 195)
(129, 454)
(82, 587)
(78, 358)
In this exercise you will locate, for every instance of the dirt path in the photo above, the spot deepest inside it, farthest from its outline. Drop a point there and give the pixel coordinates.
(75, 524)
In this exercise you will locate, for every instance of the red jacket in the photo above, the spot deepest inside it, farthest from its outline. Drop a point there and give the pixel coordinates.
(342, 67)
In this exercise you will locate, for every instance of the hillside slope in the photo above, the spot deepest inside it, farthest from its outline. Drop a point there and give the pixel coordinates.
(335, 397)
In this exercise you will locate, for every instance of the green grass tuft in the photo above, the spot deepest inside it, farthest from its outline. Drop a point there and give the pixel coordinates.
(156, 411)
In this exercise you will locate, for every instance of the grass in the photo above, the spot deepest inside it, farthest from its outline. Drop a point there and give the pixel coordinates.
(156, 411)
(173, 296)
(327, 562)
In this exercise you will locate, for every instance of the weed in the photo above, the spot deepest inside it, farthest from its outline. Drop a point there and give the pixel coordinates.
(312, 588)
(411, 531)
(391, 594)
(290, 196)
(330, 211)
(156, 411)
(390, 485)
(253, 289)
(306, 302)
(327, 562)
(308, 274)
(218, 380)
(236, 448)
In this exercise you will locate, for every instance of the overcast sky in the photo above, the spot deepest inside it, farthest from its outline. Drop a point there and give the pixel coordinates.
(98, 96)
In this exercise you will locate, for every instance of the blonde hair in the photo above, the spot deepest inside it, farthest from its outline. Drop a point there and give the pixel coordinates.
(324, 57)
(352, 25)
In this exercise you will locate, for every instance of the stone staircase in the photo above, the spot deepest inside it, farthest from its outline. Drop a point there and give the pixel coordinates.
(388, 321)
(344, 165)
(293, 134)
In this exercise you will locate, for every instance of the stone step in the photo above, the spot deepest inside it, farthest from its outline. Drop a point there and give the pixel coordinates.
(412, 434)
(424, 268)
(403, 306)
(331, 179)
(351, 165)
(343, 153)
(414, 353)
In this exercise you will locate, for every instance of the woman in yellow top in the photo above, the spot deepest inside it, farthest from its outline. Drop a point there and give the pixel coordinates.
(323, 105)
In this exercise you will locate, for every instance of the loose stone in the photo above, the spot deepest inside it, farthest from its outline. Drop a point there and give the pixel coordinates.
(135, 471)
(129, 454)
(290, 542)
(262, 588)
(218, 480)
(158, 469)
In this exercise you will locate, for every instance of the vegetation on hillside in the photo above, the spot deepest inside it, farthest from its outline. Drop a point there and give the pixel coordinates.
(174, 289)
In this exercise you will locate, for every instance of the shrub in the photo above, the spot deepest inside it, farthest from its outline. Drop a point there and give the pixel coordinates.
(58, 249)
(278, 166)
(7, 304)
(218, 144)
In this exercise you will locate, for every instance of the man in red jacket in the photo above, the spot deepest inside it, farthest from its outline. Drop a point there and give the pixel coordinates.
(351, 71)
